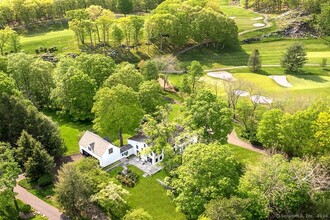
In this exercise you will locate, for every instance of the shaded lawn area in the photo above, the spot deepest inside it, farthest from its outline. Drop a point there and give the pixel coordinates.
(151, 196)
(70, 130)
(46, 194)
(246, 156)
(64, 40)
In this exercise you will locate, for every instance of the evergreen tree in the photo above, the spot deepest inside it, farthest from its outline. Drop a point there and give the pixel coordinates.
(39, 164)
(294, 58)
(254, 62)
(125, 6)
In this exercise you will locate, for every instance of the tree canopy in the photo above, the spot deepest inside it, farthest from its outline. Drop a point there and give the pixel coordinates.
(207, 171)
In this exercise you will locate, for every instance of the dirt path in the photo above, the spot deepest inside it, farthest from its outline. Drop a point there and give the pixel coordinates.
(42, 207)
(233, 139)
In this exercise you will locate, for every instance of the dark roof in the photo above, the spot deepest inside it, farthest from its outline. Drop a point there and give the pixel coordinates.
(125, 148)
(138, 137)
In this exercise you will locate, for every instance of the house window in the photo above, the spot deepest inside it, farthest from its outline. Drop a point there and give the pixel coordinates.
(161, 157)
(137, 147)
(89, 148)
(124, 154)
(156, 160)
(110, 150)
(144, 145)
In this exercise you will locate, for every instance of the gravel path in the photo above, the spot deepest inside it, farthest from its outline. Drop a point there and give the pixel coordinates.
(233, 139)
(42, 207)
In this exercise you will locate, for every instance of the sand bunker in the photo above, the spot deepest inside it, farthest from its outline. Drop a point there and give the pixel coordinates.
(222, 75)
(261, 99)
(258, 25)
(281, 80)
(258, 18)
(241, 93)
(232, 17)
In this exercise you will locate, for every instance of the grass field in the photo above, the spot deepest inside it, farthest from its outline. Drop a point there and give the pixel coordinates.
(70, 130)
(243, 18)
(64, 40)
(246, 156)
(151, 196)
(271, 51)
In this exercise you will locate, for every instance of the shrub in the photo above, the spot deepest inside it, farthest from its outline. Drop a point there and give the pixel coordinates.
(45, 180)
(25, 208)
(129, 179)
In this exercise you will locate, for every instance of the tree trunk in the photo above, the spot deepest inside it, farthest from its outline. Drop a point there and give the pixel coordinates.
(121, 137)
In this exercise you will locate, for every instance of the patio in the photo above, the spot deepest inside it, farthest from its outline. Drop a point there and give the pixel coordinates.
(146, 167)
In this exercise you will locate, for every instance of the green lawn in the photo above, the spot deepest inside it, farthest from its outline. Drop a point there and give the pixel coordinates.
(70, 130)
(64, 40)
(271, 51)
(151, 196)
(246, 156)
(243, 18)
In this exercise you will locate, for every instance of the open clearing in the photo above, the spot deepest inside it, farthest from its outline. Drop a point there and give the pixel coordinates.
(271, 51)
(64, 40)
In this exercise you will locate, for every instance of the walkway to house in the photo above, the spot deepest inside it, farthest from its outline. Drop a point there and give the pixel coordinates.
(147, 168)
(40, 206)
(233, 139)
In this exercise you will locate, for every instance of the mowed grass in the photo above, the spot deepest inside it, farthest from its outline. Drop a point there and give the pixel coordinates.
(64, 40)
(151, 196)
(311, 85)
(271, 52)
(243, 18)
(246, 156)
(70, 130)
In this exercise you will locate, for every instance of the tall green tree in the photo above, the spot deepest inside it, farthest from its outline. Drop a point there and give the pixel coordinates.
(281, 187)
(150, 96)
(117, 110)
(98, 67)
(137, 23)
(125, 74)
(9, 171)
(294, 58)
(205, 111)
(195, 71)
(40, 163)
(111, 198)
(7, 85)
(254, 62)
(18, 114)
(72, 191)
(34, 77)
(125, 6)
(207, 171)
(150, 71)
(323, 19)
(223, 208)
(74, 93)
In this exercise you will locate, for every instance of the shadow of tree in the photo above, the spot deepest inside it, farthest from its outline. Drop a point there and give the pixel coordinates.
(310, 77)
(208, 56)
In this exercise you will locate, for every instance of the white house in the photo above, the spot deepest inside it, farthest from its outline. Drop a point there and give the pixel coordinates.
(106, 153)
(139, 144)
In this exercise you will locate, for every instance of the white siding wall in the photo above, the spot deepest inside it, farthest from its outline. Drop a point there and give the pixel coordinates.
(139, 146)
(91, 153)
(108, 159)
